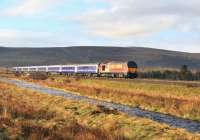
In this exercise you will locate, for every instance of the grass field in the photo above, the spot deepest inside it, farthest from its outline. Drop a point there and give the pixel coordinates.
(29, 115)
(178, 100)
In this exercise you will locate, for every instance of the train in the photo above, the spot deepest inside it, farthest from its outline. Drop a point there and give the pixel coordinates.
(108, 69)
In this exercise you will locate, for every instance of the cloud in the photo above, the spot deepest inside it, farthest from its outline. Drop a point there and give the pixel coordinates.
(30, 7)
(8, 34)
(138, 18)
(19, 38)
(172, 24)
(13, 37)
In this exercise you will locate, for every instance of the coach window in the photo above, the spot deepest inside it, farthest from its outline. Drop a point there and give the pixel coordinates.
(103, 68)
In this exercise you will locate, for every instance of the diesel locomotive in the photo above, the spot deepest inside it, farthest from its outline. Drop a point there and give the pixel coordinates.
(109, 69)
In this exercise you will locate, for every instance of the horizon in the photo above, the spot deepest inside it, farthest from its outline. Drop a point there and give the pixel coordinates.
(172, 25)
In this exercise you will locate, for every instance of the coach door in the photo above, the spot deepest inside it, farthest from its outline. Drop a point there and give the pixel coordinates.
(103, 68)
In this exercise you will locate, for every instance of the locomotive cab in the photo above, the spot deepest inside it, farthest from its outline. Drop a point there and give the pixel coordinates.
(132, 69)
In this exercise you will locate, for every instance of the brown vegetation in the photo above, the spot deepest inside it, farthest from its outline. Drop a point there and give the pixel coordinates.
(182, 101)
(21, 116)
(38, 76)
(33, 116)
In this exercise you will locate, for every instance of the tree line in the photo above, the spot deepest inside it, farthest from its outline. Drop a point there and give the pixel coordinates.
(183, 74)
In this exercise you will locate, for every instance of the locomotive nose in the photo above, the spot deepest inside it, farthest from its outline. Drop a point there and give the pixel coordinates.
(132, 69)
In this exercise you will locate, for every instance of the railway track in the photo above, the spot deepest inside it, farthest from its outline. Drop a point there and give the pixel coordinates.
(189, 125)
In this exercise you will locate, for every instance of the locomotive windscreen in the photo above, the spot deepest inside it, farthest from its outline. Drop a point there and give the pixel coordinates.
(132, 64)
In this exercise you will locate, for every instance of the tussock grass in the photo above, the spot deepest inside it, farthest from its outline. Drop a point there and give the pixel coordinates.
(29, 115)
(178, 100)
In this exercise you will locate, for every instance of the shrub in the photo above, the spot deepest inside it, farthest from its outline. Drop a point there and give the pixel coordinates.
(3, 134)
(77, 78)
(106, 110)
(38, 76)
(17, 74)
(67, 81)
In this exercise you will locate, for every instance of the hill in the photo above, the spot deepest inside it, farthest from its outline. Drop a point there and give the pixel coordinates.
(145, 57)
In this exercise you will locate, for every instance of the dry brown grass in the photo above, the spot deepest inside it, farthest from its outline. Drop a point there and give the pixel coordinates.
(33, 116)
(179, 100)
(25, 117)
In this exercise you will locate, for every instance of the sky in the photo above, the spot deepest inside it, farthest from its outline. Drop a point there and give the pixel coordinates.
(162, 24)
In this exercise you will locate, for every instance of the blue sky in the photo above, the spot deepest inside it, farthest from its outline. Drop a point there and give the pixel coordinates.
(172, 24)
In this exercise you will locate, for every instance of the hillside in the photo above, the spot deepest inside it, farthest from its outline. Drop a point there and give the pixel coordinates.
(145, 57)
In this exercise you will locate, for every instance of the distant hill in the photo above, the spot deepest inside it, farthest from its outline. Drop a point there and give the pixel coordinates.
(145, 57)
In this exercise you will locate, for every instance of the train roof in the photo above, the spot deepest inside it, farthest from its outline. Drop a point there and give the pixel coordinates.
(57, 65)
(116, 62)
(81, 64)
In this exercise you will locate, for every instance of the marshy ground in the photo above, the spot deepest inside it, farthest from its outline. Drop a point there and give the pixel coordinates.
(29, 115)
(181, 100)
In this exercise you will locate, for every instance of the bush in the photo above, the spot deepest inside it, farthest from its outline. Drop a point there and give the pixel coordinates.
(183, 74)
(3, 134)
(17, 74)
(78, 78)
(67, 81)
(38, 76)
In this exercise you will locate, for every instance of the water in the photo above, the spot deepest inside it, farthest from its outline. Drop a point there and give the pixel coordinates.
(192, 126)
